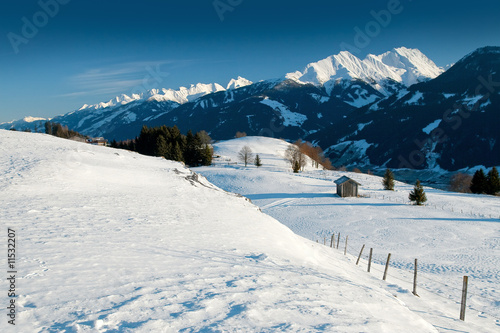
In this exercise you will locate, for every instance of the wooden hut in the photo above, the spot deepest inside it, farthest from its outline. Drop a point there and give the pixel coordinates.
(347, 187)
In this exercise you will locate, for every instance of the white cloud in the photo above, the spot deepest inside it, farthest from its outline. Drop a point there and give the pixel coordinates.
(123, 78)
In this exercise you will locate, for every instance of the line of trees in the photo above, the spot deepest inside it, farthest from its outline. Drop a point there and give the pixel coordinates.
(296, 156)
(417, 195)
(60, 131)
(485, 184)
(192, 149)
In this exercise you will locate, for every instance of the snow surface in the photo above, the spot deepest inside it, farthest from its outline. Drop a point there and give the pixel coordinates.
(454, 235)
(415, 99)
(111, 241)
(290, 118)
(432, 126)
(320, 99)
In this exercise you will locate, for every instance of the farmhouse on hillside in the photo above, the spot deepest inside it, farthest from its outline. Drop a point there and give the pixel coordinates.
(347, 187)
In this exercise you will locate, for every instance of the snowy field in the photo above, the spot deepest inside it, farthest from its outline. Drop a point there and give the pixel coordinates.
(111, 241)
(454, 235)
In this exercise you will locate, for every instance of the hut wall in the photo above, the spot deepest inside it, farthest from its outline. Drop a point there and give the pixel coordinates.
(347, 189)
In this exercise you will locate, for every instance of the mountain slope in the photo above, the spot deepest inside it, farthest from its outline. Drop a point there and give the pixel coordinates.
(450, 122)
(115, 241)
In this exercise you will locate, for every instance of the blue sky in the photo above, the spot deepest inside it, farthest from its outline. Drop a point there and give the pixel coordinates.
(56, 55)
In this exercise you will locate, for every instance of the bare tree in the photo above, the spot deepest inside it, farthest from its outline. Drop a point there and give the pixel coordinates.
(245, 155)
(205, 138)
(295, 157)
(315, 153)
(460, 182)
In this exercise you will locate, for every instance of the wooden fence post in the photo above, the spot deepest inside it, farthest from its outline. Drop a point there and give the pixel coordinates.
(370, 260)
(331, 241)
(415, 280)
(360, 252)
(386, 266)
(464, 298)
(345, 249)
(338, 240)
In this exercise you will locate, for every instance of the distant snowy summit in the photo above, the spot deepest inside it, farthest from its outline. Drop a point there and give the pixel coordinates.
(402, 65)
(238, 83)
(181, 96)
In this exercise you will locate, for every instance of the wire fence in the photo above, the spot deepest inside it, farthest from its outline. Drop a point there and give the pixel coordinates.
(452, 293)
(468, 212)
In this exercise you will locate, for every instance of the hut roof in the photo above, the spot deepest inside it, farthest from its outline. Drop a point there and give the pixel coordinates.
(344, 179)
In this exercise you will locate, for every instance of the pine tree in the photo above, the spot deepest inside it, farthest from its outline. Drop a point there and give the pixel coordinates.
(190, 150)
(177, 153)
(161, 148)
(418, 194)
(257, 161)
(48, 128)
(206, 155)
(479, 182)
(493, 182)
(388, 180)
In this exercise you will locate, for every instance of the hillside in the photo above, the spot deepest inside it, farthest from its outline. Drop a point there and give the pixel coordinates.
(454, 235)
(450, 122)
(111, 241)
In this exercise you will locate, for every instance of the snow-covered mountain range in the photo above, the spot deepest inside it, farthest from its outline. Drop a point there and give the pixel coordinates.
(339, 102)
(402, 65)
(181, 96)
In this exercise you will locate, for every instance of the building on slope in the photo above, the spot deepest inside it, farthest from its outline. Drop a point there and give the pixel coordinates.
(347, 187)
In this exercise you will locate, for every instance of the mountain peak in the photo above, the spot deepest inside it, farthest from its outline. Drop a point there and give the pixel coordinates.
(486, 50)
(238, 83)
(404, 65)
